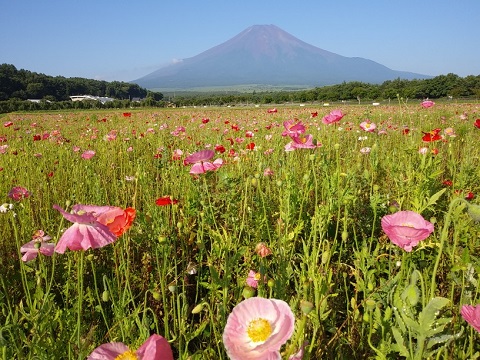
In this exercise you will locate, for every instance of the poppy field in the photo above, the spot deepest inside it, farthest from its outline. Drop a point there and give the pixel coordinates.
(297, 232)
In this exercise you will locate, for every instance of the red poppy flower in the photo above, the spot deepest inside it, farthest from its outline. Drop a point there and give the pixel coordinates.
(37, 137)
(314, 114)
(205, 120)
(477, 123)
(127, 114)
(435, 151)
(270, 111)
(470, 195)
(166, 200)
(447, 182)
(235, 127)
(220, 149)
(433, 135)
(250, 146)
(405, 131)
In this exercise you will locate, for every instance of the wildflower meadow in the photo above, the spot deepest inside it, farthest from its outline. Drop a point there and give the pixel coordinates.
(296, 232)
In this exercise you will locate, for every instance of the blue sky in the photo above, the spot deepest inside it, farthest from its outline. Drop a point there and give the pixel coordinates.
(124, 40)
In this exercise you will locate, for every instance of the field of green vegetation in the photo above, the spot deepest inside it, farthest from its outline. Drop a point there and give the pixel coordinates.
(358, 223)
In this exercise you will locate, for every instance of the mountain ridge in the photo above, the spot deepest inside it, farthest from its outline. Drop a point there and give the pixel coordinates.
(268, 55)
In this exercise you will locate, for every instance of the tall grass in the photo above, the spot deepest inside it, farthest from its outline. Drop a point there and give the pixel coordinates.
(181, 269)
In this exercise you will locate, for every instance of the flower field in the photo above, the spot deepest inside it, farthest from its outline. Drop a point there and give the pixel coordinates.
(314, 232)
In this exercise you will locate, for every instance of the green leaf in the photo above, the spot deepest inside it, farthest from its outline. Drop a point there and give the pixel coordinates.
(434, 198)
(427, 317)
(400, 345)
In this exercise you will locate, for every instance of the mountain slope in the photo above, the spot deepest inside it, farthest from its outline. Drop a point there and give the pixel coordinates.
(265, 54)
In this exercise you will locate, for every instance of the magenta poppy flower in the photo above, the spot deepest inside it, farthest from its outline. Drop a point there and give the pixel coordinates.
(7, 124)
(368, 126)
(272, 111)
(88, 154)
(199, 156)
(257, 328)
(427, 104)
(292, 128)
(471, 314)
(406, 229)
(85, 233)
(333, 117)
(38, 245)
(155, 347)
(18, 193)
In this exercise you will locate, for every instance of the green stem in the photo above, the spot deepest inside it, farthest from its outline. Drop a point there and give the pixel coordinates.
(443, 236)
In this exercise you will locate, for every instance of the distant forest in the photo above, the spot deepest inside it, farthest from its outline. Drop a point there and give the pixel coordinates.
(18, 86)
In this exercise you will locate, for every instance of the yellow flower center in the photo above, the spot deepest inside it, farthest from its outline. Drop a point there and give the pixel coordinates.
(127, 355)
(257, 276)
(407, 225)
(259, 330)
(367, 125)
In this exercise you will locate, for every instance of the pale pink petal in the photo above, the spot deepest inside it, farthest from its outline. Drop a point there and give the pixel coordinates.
(108, 351)
(235, 336)
(155, 347)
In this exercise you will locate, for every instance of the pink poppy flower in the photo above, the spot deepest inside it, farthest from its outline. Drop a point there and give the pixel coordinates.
(88, 154)
(365, 150)
(76, 149)
(155, 347)
(203, 167)
(268, 172)
(262, 250)
(38, 245)
(7, 124)
(253, 278)
(427, 104)
(257, 328)
(86, 232)
(368, 126)
(292, 128)
(301, 142)
(3, 149)
(406, 229)
(201, 163)
(199, 156)
(333, 117)
(18, 193)
(471, 314)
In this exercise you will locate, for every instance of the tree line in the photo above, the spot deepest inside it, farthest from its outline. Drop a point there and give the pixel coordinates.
(17, 86)
(442, 86)
(23, 84)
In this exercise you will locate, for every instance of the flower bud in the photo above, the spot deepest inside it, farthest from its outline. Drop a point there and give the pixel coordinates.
(156, 295)
(474, 212)
(105, 296)
(197, 308)
(248, 292)
(306, 306)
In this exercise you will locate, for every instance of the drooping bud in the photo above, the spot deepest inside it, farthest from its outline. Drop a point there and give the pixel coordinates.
(474, 212)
